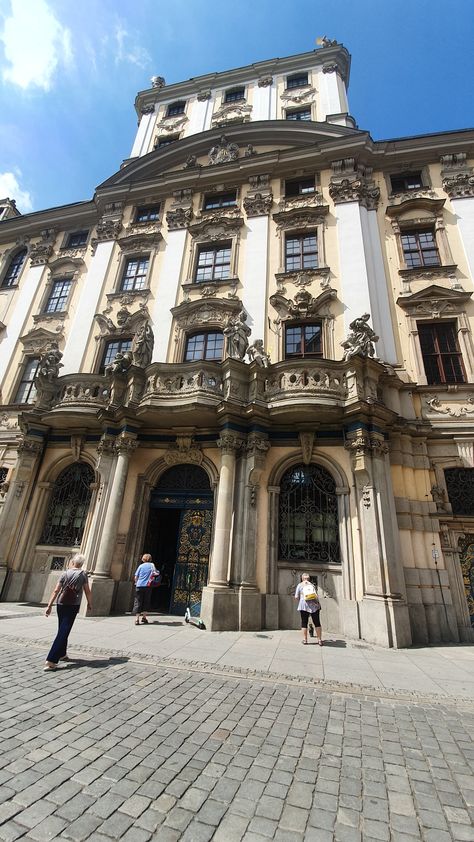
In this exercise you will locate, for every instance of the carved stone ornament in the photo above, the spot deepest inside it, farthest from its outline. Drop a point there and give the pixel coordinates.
(309, 200)
(106, 229)
(439, 497)
(232, 112)
(299, 95)
(258, 205)
(459, 186)
(36, 340)
(331, 67)
(459, 410)
(223, 152)
(367, 194)
(216, 227)
(171, 125)
(265, 81)
(138, 241)
(184, 451)
(126, 321)
(106, 445)
(124, 444)
(203, 95)
(300, 217)
(41, 251)
(434, 301)
(158, 82)
(324, 41)
(49, 364)
(304, 304)
(304, 278)
(229, 443)
(191, 162)
(147, 109)
(361, 339)
(365, 444)
(30, 446)
(307, 444)
(260, 182)
(9, 422)
(120, 364)
(179, 218)
(198, 313)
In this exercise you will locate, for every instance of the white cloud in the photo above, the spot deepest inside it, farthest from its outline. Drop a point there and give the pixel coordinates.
(128, 49)
(35, 44)
(10, 189)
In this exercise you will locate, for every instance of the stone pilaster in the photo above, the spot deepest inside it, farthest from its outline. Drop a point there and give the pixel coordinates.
(250, 599)
(384, 615)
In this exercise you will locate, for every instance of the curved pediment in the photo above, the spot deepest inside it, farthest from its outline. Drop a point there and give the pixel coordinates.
(235, 144)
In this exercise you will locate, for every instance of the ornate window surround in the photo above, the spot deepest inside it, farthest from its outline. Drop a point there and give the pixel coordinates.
(305, 308)
(432, 304)
(64, 268)
(211, 230)
(203, 315)
(8, 256)
(299, 220)
(31, 345)
(135, 245)
(127, 325)
(418, 213)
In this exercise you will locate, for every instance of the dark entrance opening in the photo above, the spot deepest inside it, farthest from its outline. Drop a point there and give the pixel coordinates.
(178, 536)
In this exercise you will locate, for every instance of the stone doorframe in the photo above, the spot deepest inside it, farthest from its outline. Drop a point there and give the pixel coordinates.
(145, 484)
(453, 536)
(344, 523)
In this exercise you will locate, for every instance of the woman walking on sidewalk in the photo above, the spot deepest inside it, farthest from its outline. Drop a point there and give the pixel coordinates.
(146, 575)
(72, 583)
(308, 606)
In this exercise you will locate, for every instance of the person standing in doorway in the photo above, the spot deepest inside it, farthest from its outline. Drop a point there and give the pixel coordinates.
(68, 593)
(308, 606)
(146, 575)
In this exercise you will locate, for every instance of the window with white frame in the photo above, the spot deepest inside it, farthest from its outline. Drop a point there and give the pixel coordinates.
(213, 262)
(135, 273)
(301, 251)
(58, 297)
(296, 80)
(207, 345)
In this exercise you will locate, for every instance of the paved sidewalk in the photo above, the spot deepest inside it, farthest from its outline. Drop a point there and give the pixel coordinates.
(445, 671)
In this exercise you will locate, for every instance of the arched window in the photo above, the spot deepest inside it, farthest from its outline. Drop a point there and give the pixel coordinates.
(10, 278)
(308, 523)
(68, 506)
(184, 478)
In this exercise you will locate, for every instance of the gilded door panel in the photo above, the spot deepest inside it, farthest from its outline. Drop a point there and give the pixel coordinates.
(192, 563)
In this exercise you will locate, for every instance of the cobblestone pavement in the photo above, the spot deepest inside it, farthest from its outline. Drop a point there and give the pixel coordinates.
(111, 748)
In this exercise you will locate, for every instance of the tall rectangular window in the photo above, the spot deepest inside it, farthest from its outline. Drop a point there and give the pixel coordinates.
(10, 279)
(303, 340)
(26, 392)
(420, 249)
(301, 252)
(134, 276)
(213, 263)
(234, 95)
(440, 351)
(59, 295)
(297, 80)
(204, 346)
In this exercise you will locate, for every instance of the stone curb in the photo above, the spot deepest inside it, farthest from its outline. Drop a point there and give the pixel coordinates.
(239, 673)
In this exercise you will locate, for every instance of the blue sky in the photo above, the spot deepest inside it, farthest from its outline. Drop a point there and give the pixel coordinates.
(70, 70)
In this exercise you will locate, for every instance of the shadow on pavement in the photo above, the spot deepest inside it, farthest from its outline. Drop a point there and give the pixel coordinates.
(341, 644)
(75, 663)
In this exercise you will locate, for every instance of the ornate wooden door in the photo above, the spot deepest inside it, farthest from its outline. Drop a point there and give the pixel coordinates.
(467, 566)
(192, 563)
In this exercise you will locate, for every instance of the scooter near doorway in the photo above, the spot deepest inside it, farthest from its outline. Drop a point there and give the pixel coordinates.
(188, 618)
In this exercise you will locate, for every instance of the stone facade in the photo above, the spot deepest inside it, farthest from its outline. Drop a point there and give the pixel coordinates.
(261, 364)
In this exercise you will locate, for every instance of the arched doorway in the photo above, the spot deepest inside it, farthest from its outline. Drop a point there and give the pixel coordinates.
(178, 536)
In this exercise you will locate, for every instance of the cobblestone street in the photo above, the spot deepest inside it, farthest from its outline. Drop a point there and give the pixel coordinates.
(111, 748)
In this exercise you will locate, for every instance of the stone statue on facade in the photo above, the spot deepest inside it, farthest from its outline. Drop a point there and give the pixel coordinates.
(120, 364)
(237, 333)
(49, 364)
(361, 339)
(142, 346)
(256, 353)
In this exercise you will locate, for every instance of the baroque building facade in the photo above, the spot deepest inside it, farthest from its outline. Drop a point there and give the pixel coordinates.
(250, 354)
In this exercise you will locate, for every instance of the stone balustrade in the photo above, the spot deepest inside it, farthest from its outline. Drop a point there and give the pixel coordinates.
(83, 389)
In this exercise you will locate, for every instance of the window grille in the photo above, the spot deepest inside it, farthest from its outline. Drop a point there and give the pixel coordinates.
(68, 506)
(308, 520)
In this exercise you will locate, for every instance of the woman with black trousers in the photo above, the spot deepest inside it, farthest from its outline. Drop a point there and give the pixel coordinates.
(68, 592)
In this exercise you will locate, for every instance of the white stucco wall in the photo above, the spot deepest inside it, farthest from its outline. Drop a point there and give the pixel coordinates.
(464, 210)
(254, 294)
(16, 324)
(355, 294)
(165, 297)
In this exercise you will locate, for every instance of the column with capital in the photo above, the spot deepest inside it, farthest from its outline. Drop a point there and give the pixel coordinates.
(102, 586)
(219, 605)
(384, 617)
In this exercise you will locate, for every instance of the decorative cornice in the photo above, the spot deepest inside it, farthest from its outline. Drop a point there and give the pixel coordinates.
(357, 190)
(231, 113)
(297, 96)
(434, 301)
(309, 200)
(459, 410)
(429, 273)
(211, 311)
(258, 205)
(433, 206)
(215, 227)
(139, 241)
(304, 278)
(170, 125)
(301, 217)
